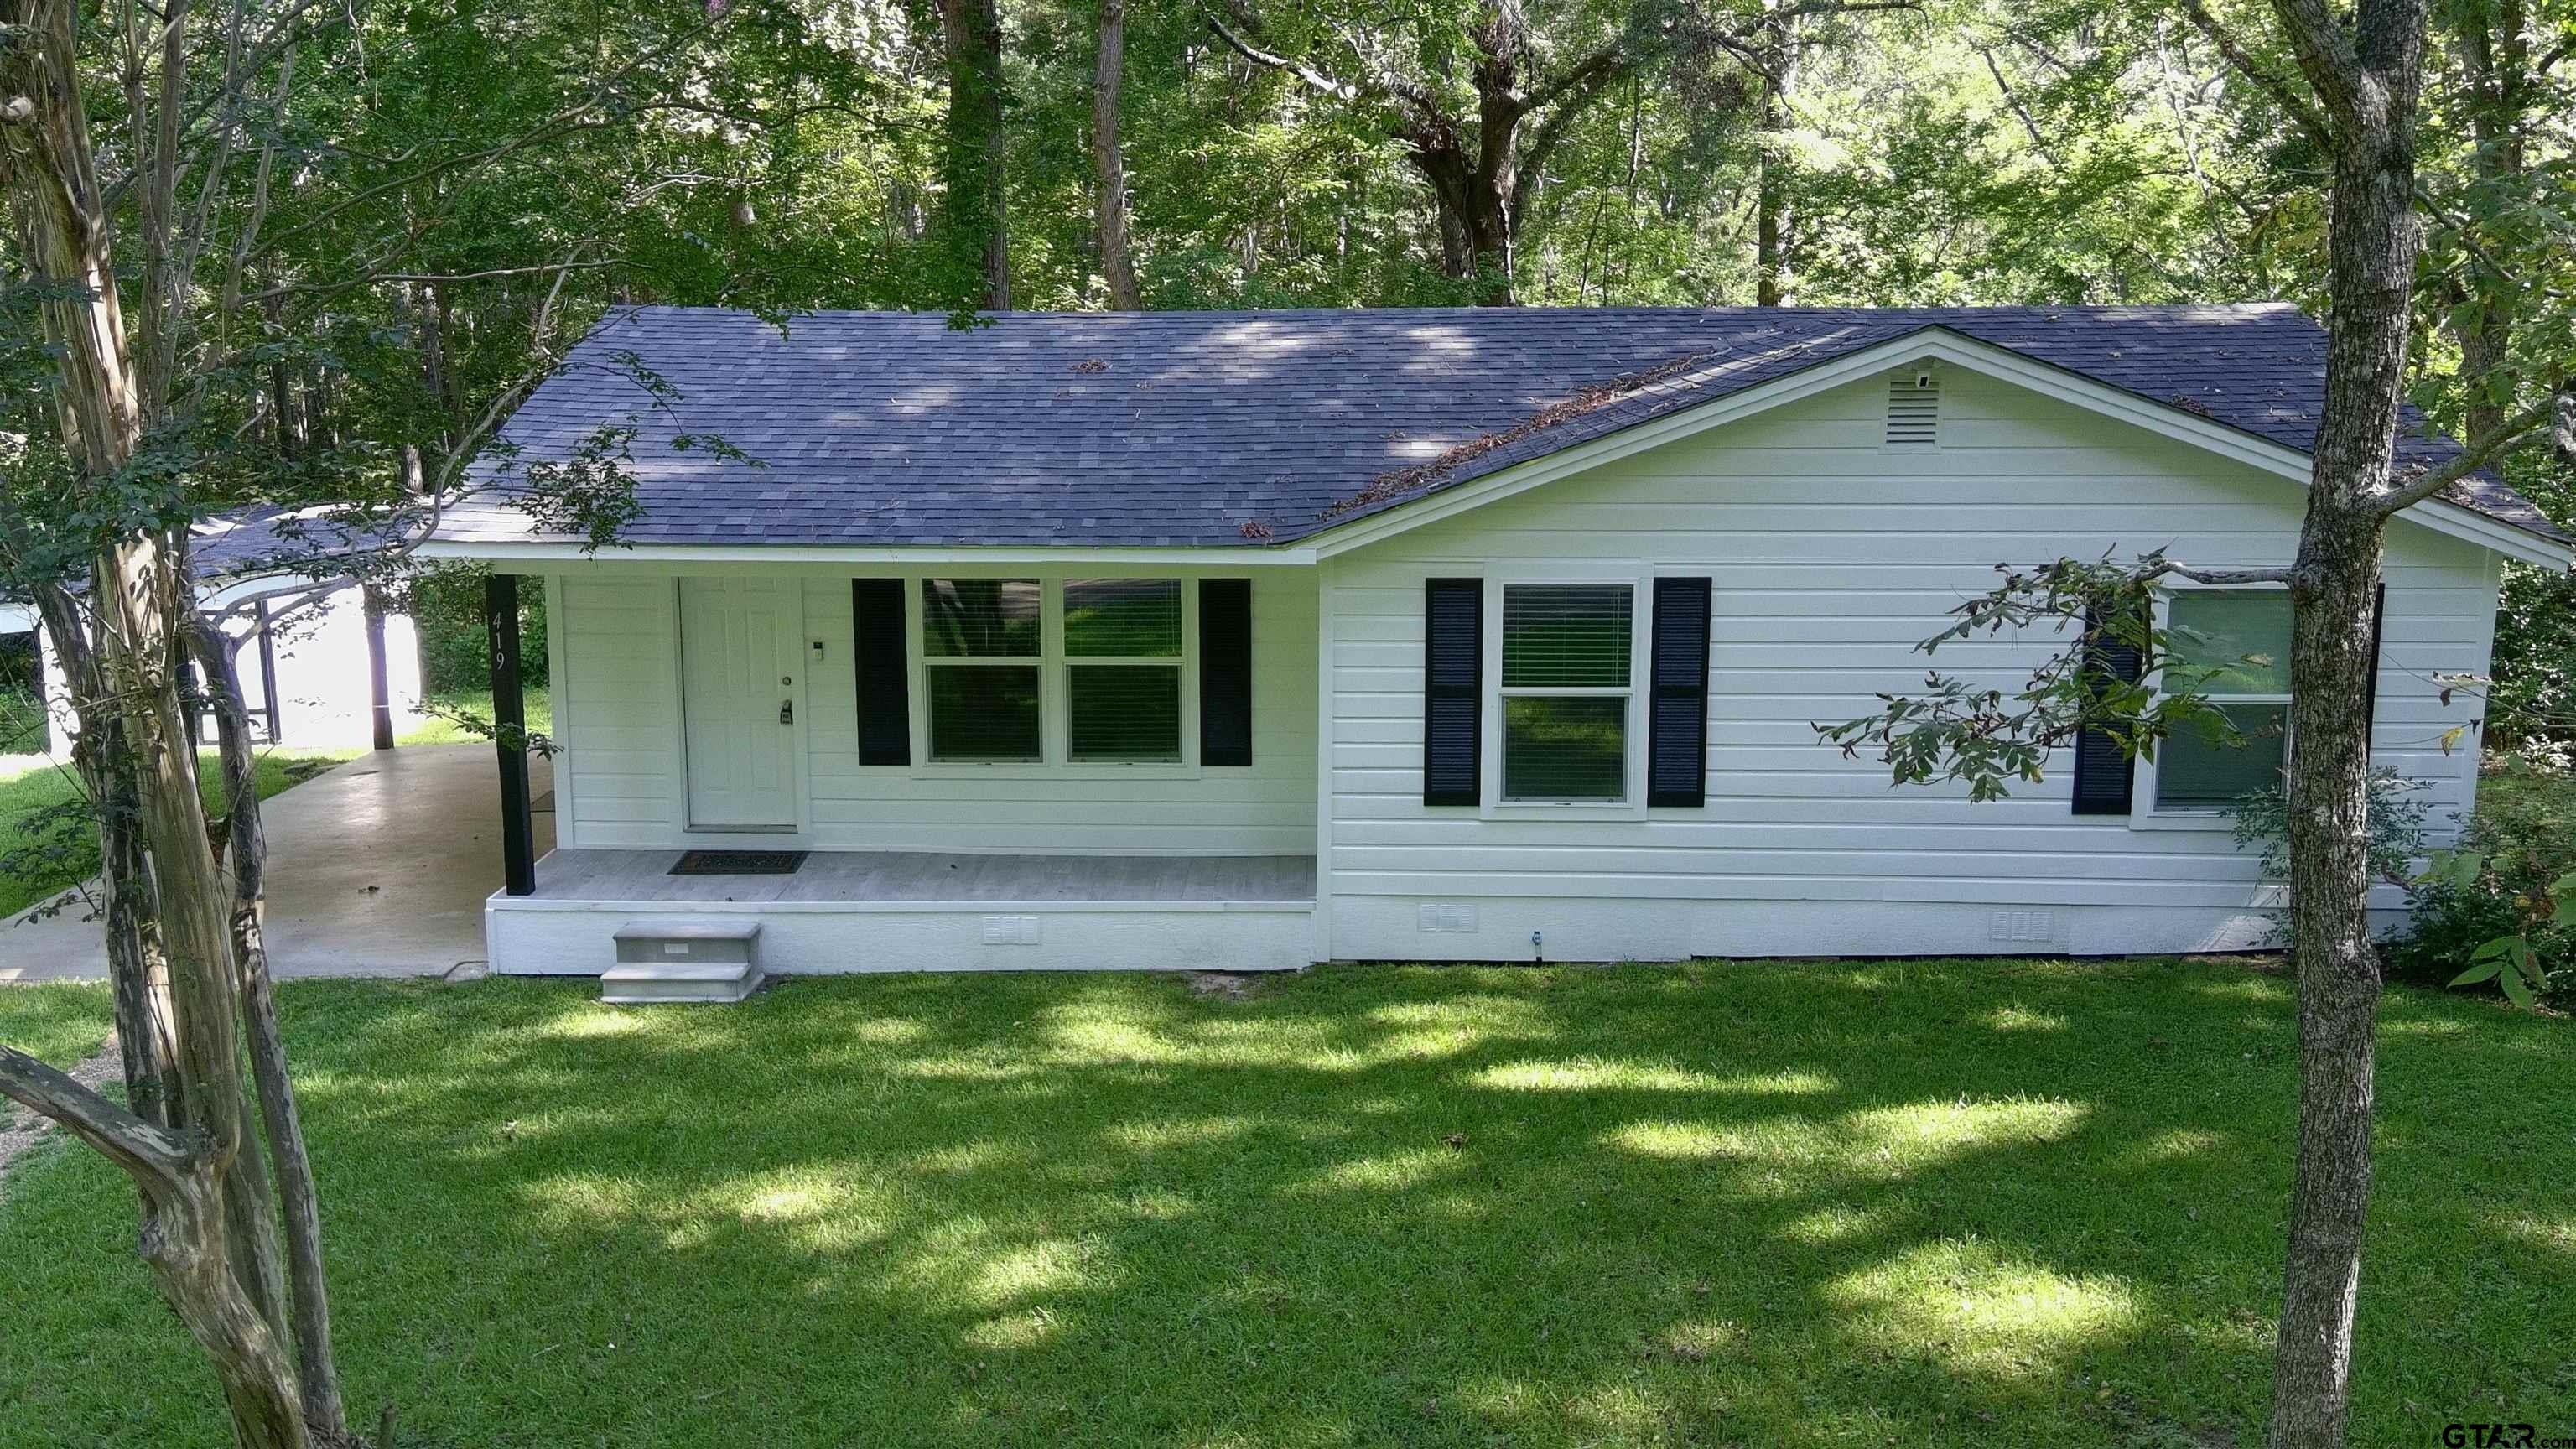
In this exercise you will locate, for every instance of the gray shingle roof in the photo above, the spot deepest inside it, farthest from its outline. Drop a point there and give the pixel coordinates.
(1236, 428)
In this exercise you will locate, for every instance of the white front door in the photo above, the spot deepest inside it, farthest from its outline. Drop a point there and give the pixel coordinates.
(738, 695)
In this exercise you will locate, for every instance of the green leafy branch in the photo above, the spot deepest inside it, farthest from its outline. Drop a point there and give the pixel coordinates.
(1957, 730)
(2509, 960)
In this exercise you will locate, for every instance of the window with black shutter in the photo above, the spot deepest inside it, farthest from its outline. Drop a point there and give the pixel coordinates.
(1225, 671)
(884, 681)
(1677, 719)
(2105, 774)
(1452, 689)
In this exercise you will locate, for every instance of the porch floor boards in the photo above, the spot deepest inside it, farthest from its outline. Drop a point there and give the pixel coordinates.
(931, 878)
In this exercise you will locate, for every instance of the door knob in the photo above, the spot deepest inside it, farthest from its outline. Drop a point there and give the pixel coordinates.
(787, 711)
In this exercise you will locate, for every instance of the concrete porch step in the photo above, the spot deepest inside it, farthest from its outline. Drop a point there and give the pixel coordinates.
(679, 959)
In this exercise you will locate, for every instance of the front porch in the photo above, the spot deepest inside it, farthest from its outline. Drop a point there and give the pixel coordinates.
(872, 910)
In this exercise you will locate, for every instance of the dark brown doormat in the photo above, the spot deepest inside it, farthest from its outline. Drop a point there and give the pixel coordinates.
(738, 862)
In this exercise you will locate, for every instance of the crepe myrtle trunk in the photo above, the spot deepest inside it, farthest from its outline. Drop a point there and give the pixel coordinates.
(246, 838)
(137, 972)
(207, 1232)
(2375, 237)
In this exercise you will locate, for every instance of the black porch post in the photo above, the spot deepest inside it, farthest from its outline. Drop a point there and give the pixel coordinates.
(510, 732)
(380, 694)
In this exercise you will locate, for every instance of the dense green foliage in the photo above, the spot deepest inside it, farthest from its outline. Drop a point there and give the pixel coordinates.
(2522, 840)
(1944, 1203)
(446, 606)
(464, 716)
(23, 726)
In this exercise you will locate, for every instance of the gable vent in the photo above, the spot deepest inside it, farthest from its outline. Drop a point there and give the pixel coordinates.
(1913, 410)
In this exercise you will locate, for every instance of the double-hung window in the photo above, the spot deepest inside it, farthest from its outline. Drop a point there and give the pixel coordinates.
(982, 642)
(2232, 646)
(1567, 690)
(1122, 671)
(1036, 671)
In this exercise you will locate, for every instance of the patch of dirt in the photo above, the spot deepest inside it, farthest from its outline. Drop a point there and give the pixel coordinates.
(2267, 963)
(2140, 1426)
(21, 1129)
(1225, 985)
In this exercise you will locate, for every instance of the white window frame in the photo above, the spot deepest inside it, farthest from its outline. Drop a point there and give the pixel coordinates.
(2144, 812)
(917, 623)
(1183, 664)
(1638, 579)
(1055, 720)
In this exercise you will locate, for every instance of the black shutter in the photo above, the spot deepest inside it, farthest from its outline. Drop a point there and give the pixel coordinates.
(1225, 671)
(2105, 776)
(1677, 703)
(1453, 680)
(884, 678)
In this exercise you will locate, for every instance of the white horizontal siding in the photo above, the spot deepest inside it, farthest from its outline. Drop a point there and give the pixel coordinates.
(1831, 561)
(1266, 809)
(621, 735)
(617, 712)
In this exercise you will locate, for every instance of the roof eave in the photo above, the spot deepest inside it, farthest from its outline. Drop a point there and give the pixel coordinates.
(649, 555)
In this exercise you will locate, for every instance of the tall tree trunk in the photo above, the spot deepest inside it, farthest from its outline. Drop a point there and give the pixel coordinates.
(2338, 973)
(1771, 216)
(1487, 214)
(289, 436)
(2495, 57)
(974, 161)
(2369, 79)
(1117, 263)
(1457, 259)
(1475, 219)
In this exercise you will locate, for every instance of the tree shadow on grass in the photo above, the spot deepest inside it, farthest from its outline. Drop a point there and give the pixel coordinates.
(1944, 1203)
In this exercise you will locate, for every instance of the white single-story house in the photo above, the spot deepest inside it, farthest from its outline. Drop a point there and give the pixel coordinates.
(1245, 641)
(308, 660)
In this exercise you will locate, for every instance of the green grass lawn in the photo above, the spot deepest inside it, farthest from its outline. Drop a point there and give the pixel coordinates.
(36, 787)
(58, 1022)
(435, 729)
(1948, 1203)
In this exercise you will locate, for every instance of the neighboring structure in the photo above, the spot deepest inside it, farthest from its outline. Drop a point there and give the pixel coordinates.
(310, 660)
(1237, 641)
(25, 712)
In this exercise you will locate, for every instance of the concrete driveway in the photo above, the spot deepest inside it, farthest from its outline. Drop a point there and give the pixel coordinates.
(377, 868)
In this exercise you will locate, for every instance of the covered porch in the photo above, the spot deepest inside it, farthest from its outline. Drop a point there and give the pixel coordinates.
(1138, 800)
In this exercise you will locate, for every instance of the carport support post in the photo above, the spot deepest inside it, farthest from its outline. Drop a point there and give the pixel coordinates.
(510, 732)
(380, 693)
